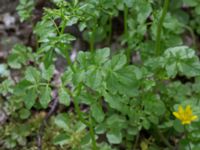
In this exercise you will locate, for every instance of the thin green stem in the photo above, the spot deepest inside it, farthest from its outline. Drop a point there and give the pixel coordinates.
(165, 141)
(64, 21)
(192, 34)
(65, 51)
(92, 36)
(92, 39)
(77, 108)
(43, 84)
(80, 116)
(92, 42)
(136, 141)
(125, 20)
(159, 27)
(63, 26)
(55, 25)
(66, 54)
(128, 50)
(187, 138)
(92, 134)
(110, 29)
(128, 144)
(60, 33)
(197, 102)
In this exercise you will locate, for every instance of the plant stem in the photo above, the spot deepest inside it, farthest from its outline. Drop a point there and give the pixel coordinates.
(128, 145)
(136, 141)
(159, 27)
(64, 21)
(198, 102)
(187, 138)
(80, 116)
(77, 109)
(92, 43)
(125, 20)
(164, 139)
(92, 38)
(92, 134)
(63, 26)
(128, 51)
(55, 25)
(192, 35)
(110, 29)
(65, 51)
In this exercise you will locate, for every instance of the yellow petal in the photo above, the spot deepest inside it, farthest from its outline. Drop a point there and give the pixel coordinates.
(188, 110)
(177, 115)
(194, 117)
(186, 122)
(180, 109)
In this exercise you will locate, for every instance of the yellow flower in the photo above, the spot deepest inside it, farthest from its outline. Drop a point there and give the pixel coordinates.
(185, 116)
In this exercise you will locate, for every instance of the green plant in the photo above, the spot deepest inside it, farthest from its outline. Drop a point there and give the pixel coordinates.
(25, 9)
(107, 98)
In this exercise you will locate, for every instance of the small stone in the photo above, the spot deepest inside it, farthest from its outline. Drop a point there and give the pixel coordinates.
(3, 117)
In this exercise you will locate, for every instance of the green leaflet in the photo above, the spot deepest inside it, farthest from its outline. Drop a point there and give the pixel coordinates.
(45, 96)
(64, 97)
(30, 97)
